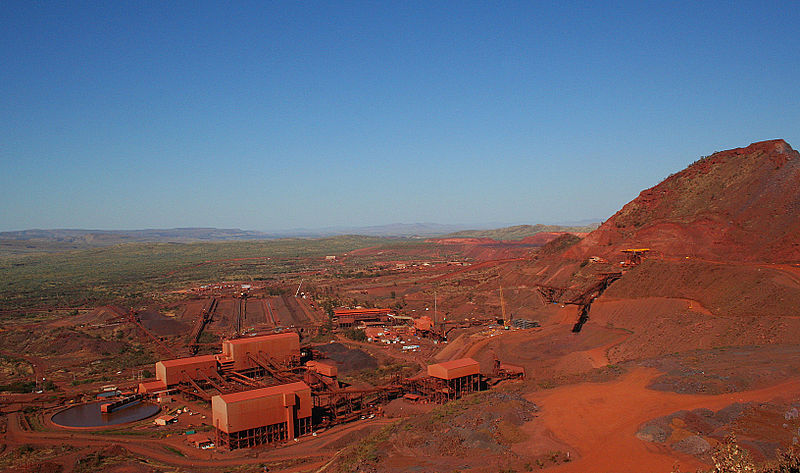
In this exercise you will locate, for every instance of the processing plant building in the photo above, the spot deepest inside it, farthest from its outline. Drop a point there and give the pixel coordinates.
(262, 416)
(262, 393)
(353, 317)
(172, 372)
(452, 379)
(248, 353)
(244, 355)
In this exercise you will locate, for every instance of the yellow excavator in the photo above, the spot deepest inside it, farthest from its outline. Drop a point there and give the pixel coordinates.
(635, 256)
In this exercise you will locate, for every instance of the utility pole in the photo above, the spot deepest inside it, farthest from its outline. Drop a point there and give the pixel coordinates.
(434, 308)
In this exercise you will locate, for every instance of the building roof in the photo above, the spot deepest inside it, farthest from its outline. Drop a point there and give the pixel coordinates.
(290, 388)
(373, 332)
(189, 361)
(199, 437)
(454, 369)
(423, 323)
(273, 336)
(339, 312)
(459, 363)
(150, 386)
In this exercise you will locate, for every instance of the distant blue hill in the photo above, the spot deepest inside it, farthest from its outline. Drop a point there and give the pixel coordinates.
(79, 238)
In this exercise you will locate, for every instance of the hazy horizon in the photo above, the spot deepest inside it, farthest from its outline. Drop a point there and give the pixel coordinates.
(281, 231)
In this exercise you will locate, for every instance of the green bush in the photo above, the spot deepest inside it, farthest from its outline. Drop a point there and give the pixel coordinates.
(19, 387)
(355, 335)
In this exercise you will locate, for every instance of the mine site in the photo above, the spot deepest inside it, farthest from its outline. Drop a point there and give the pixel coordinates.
(651, 342)
(399, 237)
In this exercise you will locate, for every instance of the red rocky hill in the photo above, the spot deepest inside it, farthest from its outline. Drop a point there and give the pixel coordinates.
(740, 205)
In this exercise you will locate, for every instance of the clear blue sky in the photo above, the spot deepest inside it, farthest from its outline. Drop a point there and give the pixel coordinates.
(267, 116)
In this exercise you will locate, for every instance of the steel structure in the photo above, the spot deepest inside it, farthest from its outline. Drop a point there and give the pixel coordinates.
(635, 255)
(351, 317)
(206, 316)
(585, 299)
(551, 294)
(261, 394)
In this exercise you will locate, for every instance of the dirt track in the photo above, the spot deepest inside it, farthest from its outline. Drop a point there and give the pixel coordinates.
(599, 421)
(36, 363)
(313, 449)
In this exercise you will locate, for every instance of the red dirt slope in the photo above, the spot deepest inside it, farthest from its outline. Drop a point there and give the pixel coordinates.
(742, 205)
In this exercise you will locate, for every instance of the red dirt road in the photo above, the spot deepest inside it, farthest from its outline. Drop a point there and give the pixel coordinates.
(599, 421)
(313, 449)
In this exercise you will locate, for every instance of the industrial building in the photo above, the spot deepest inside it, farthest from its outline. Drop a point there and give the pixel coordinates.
(250, 353)
(241, 356)
(172, 372)
(353, 317)
(262, 416)
(248, 409)
(452, 379)
(151, 387)
(322, 368)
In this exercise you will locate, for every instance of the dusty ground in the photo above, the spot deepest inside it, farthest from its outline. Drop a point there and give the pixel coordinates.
(599, 422)
(762, 428)
(727, 369)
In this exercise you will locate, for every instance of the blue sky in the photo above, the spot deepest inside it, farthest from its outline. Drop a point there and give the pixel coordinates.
(268, 116)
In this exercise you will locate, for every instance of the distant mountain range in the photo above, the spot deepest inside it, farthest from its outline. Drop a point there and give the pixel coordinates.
(390, 230)
(103, 237)
(25, 241)
(91, 238)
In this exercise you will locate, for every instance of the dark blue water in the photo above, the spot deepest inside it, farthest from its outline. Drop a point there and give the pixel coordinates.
(89, 415)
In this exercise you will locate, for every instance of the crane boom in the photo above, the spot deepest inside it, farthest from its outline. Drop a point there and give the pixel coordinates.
(506, 322)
